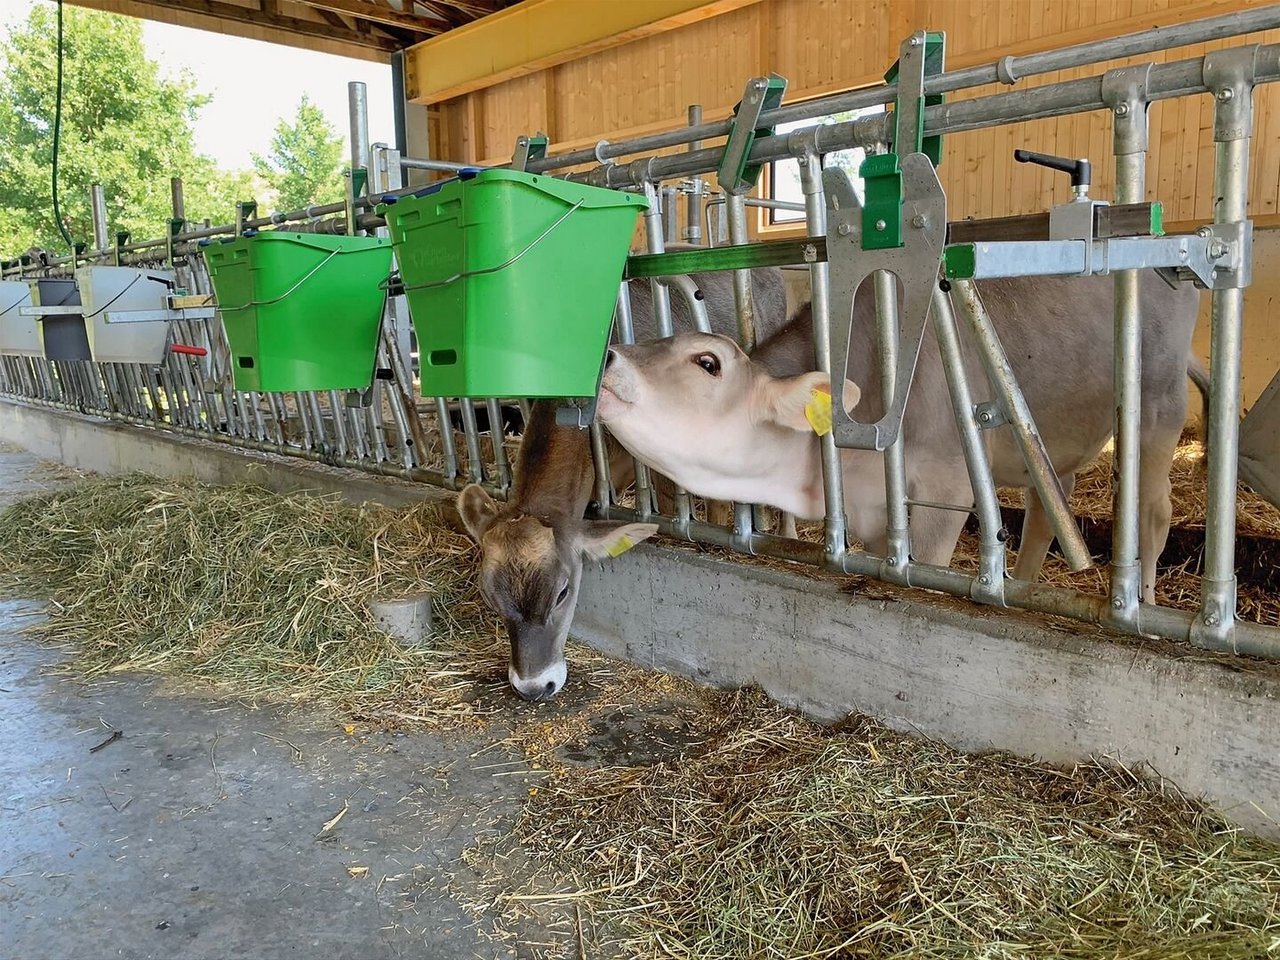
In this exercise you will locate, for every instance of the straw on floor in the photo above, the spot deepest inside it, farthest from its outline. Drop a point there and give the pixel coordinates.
(773, 838)
(783, 839)
(248, 589)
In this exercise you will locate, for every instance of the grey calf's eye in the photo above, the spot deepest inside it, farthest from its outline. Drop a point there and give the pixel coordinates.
(564, 594)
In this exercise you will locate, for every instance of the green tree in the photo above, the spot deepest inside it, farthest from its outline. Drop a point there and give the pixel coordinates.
(304, 165)
(123, 125)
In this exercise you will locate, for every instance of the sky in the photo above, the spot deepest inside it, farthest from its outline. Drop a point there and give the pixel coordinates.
(255, 84)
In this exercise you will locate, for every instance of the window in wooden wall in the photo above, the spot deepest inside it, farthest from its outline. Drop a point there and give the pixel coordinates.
(783, 181)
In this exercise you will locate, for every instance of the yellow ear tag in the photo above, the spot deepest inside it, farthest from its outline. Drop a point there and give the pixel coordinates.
(620, 546)
(818, 411)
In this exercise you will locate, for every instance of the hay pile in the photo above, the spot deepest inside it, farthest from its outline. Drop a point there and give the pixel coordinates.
(774, 837)
(1092, 495)
(247, 589)
(783, 839)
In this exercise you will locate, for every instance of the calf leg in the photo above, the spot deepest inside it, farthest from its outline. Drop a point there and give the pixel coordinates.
(1037, 532)
(933, 534)
(786, 524)
(1154, 507)
(719, 512)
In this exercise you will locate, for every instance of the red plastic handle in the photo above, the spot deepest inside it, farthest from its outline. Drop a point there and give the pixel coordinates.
(188, 351)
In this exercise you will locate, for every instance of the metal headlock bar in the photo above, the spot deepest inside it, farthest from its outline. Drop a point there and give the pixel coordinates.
(900, 230)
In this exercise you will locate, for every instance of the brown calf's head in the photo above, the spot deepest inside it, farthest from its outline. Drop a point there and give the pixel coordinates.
(530, 569)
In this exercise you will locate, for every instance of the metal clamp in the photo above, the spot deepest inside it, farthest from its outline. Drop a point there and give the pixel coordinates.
(915, 264)
(1125, 92)
(529, 149)
(1005, 71)
(1230, 76)
(762, 93)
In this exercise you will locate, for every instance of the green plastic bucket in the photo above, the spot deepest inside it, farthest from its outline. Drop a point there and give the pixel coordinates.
(302, 311)
(511, 280)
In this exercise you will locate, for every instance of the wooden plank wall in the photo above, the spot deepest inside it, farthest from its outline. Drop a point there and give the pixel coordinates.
(825, 46)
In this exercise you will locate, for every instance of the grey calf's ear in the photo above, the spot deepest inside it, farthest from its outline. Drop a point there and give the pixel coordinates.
(602, 539)
(477, 510)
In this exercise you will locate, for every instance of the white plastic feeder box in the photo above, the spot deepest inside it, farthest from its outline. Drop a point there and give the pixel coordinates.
(125, 312)
(19, 332)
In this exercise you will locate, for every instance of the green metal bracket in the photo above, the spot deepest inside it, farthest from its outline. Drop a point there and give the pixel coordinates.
(122, 237)
(529, 149)
(882, 210)
(1157, 219)
(359, 181)
(245, 211)
(176, 225)
(959, 261)
(914, 141)
(736, 174)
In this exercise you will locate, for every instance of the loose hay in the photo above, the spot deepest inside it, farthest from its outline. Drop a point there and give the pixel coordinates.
(1092, 495)
(248, 589)
(776, 838)
(786, 839)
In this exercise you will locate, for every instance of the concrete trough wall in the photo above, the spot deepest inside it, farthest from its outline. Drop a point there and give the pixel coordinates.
(976, 678)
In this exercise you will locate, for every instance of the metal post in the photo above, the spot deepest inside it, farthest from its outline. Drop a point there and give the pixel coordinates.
(693, 216)
(317, 418)
(1125, 90)
(627, 334)
(600, 456)
(475, 463)
(448, 450)
(358, 115)
(495, 439)
(897, 531)
(1230, 76)
(670, 207)
(736, 209)
(989, 585)
(304, 420)
(377, 432)
(656, 244)
(1014, 407)
(339, 423)
(98, 210)
(836, 526)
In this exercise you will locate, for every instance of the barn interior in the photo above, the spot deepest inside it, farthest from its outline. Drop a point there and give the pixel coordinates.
(273, 684)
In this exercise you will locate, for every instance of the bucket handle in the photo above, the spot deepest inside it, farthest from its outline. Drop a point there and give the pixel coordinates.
(305, 277)
(502, 266)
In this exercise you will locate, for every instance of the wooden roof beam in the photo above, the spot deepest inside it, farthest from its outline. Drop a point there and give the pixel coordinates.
(282, 28)
(538, 34)
(376, 13)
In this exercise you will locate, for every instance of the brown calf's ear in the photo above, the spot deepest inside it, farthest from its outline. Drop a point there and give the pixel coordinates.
(790, 401)
(477, 510)
(602, 539)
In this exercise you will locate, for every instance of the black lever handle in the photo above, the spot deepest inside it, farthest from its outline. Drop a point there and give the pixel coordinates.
(1079, 169)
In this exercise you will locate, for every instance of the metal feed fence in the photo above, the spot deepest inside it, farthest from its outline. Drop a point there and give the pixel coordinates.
(387, 429)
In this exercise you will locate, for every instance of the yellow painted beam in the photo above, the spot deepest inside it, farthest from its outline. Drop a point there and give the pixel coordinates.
(538, 34)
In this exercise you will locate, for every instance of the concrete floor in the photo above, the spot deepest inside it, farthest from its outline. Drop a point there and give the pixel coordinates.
(199, 831)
